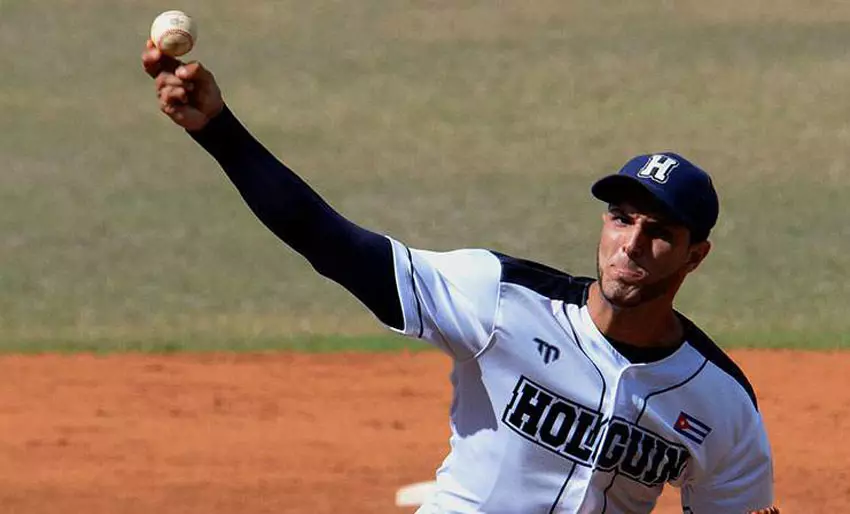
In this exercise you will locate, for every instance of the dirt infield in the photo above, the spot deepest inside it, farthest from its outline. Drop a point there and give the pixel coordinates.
(292, 433)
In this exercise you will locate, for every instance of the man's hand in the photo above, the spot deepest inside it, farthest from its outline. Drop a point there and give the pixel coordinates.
(187, 92)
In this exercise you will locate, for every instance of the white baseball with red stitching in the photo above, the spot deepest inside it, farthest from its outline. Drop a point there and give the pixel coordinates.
(174, 33)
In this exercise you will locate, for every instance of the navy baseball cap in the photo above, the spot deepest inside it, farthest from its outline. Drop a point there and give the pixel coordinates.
(684, 190)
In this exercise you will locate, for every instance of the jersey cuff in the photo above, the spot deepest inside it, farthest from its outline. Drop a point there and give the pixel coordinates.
(411, 305)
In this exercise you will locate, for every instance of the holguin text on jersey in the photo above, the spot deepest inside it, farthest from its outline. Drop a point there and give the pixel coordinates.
(573, 431)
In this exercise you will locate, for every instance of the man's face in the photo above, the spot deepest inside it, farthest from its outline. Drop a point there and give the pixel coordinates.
(643, 256)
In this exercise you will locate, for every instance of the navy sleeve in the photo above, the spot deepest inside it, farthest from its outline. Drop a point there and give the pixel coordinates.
(356, 258)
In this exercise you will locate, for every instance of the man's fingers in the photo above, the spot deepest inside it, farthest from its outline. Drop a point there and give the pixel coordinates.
(150, 59)
(192, 71)
(169, 79)
(175, 111)
(155, 62)
(173, 95)
(175, 82)
(186, 116)
(179, 113)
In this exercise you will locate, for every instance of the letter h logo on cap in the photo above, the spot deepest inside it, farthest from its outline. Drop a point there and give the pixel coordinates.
(658, 168)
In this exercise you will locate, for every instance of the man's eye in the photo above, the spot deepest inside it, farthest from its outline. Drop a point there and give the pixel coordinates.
(620, 219)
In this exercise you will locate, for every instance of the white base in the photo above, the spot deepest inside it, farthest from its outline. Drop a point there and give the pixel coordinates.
(414, 495)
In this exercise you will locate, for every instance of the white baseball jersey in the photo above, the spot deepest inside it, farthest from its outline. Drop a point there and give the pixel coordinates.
(549, 417)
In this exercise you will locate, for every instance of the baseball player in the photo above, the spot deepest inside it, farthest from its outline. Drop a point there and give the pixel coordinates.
(571, 394)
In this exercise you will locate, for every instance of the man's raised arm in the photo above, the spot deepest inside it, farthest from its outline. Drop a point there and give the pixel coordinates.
(358, 259)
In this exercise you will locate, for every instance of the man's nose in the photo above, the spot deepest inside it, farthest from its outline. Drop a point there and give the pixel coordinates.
(634, 242)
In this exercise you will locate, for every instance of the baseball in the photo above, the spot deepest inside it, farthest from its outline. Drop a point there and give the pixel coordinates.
(174, 33)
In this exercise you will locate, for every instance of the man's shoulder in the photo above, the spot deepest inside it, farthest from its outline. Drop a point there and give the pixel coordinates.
(544, 280)
(715, 355)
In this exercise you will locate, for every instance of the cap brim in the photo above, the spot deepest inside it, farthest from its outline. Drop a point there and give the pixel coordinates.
(616, 188)
(621, 188)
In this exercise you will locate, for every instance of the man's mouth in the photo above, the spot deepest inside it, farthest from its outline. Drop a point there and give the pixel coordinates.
(628, 274)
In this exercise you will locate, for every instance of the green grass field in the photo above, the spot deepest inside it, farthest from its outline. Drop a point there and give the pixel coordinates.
(445, 124)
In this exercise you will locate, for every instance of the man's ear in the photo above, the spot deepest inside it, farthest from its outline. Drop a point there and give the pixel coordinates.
(696, 254)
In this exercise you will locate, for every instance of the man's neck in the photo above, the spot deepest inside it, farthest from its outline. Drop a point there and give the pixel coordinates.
(652, 324)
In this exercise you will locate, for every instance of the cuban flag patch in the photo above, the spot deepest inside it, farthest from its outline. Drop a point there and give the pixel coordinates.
(692, 428)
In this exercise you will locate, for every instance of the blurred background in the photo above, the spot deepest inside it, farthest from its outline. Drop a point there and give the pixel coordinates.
(445, 124)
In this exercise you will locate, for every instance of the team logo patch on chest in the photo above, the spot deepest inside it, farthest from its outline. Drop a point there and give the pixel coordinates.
(572, 431)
